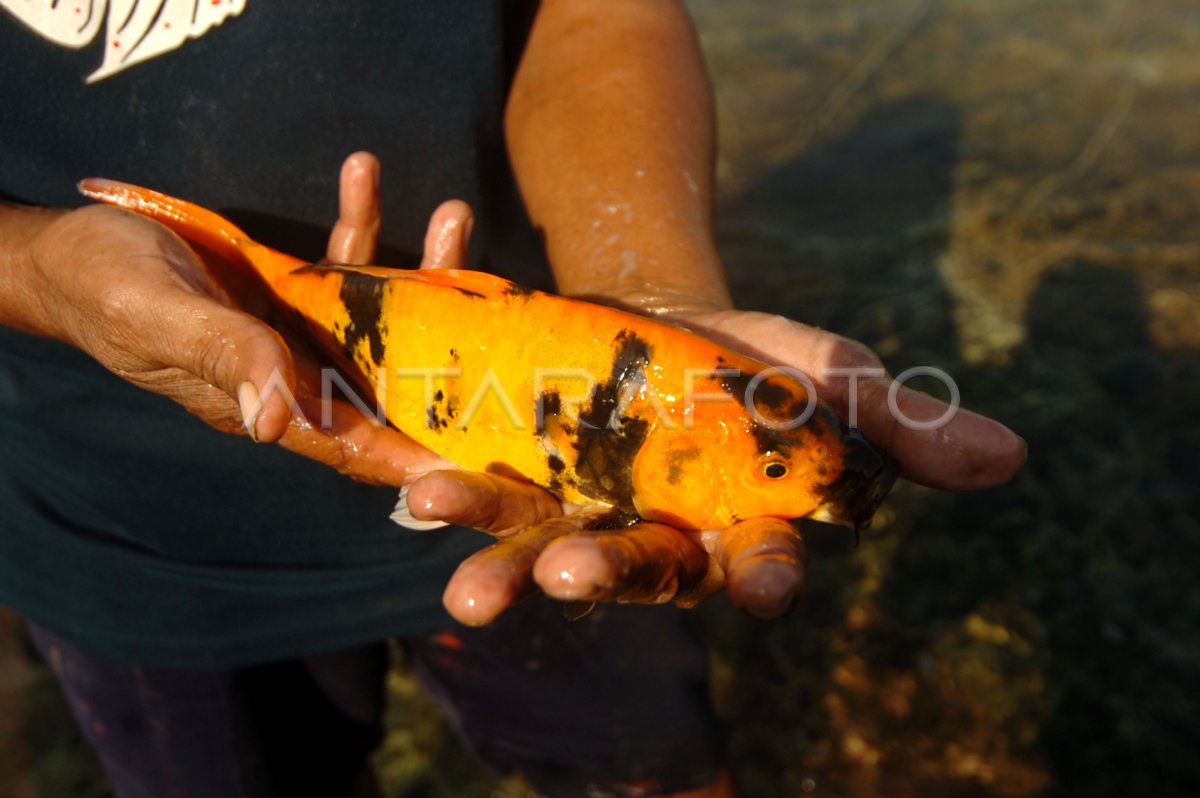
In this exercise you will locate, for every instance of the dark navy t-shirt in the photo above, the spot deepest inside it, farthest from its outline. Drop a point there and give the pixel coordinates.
(125, 523)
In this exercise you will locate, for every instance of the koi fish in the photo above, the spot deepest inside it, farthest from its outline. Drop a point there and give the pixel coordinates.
(601, 407)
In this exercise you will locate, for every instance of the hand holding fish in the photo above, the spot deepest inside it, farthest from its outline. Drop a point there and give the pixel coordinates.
(672, 503)
(760, 562)
(133, 295)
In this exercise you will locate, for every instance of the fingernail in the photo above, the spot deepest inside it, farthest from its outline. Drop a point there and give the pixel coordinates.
(250, 407)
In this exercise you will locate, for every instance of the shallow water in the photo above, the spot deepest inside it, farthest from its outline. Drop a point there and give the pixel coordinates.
(1009, 192)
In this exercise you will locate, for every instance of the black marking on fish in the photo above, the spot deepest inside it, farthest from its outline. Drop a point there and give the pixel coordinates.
(866, 478)
(505, 470)
(546, 410)
(676, 461)
(766, 439)
(362, 294)
(777, 401)
(467, 292)
(607, 445)
(434, 420)
(551, 403)
(518, 291)
(558, 474)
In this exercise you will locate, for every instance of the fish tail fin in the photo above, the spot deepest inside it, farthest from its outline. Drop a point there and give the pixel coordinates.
(195, 224)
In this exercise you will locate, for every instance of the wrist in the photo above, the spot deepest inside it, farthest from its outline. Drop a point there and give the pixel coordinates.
(23, 229)
(661, 302)
(649, 271)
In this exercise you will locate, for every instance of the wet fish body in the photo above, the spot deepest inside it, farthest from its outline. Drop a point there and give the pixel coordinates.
(597, 405)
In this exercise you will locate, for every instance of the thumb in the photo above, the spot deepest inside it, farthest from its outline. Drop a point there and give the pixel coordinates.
(234, 352)
(447, 236)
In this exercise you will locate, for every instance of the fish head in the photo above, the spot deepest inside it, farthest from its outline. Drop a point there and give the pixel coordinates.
(819, 469)
(790, 459)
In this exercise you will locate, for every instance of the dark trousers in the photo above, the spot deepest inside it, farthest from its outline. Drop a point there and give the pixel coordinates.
(613, 704)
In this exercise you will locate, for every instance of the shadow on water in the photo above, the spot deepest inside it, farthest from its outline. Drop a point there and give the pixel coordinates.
(847, 235)
(1035, 639)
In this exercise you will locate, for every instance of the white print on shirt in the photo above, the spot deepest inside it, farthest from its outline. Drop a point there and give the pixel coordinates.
(134, 31)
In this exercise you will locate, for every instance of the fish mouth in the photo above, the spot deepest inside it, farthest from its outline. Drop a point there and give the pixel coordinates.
(852, 499)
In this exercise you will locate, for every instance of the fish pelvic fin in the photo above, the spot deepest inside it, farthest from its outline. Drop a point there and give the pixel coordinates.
(404, 517)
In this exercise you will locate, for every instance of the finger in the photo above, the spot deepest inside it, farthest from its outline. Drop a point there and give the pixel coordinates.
(447, 236)
(489, 502)
(354, 236)
(966, 452)
(764, 563)
(339, 435)
(490, 581)
(938, 445)
(349, 435)
(644, 564)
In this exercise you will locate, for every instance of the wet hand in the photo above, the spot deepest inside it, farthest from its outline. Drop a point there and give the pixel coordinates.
(545, 546)
(964, 451)
(134, 296)
(759, 562)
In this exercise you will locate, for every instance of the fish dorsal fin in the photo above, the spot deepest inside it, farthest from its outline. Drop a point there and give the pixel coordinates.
(324, 267)
(482, 283)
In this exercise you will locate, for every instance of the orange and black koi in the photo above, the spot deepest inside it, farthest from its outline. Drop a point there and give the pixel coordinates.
(597, 405)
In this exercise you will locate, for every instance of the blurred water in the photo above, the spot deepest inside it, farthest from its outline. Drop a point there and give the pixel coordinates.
(1010, 192)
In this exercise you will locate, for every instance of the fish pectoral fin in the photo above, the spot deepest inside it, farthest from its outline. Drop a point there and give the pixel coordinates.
(575, 610)
(404, 517)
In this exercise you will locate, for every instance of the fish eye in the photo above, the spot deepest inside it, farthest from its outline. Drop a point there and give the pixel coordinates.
(775, 470)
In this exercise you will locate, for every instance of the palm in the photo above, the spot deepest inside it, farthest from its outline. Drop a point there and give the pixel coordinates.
(760, 562)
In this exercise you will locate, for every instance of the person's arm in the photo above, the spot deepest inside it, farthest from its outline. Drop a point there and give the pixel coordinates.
(131, 294)
(610, 129)
(610, 132)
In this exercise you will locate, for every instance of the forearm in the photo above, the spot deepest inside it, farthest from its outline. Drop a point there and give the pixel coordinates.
(610, 130)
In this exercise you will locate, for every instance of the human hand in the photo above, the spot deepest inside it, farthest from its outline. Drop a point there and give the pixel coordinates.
(134, 296)
(541, 546)
(759, 562)
(965, 452)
